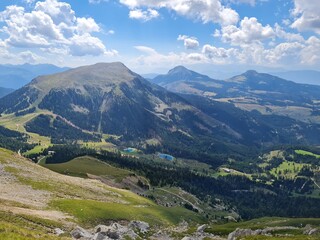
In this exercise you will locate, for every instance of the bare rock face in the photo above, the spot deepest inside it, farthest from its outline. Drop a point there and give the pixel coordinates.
(113, 231)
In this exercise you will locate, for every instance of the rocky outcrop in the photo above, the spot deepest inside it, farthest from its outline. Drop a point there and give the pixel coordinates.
(138, 230)
(142, 227)
(248, 232)
(113, 231)
(309, 230)
(80, 233)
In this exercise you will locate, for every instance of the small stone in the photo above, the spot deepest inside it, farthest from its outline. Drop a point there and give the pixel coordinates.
(58, 231)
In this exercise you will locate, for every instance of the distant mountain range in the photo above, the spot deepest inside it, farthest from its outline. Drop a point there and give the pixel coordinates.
(16, 76)
(251, 85)
(284, 103)
(111, 99)
(247, 111)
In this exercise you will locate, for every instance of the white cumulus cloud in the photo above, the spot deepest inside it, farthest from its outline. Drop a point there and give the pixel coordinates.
(189, 42)
(250, 31)
(143, 15)
(203, 10)
(51, 26)
(307, 14)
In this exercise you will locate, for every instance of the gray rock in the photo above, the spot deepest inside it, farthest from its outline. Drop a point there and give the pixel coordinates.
(114, 231)
(80, 233)
(242, 233)
(113, 234)
(187, 238)
(202, 228)
(314, 231)
(160, 236)
(131, 234)
(100, 236)
(101, 228)
(58, 231)
(143, 227)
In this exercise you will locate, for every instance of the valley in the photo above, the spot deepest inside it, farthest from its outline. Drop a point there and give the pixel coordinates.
(101, 145)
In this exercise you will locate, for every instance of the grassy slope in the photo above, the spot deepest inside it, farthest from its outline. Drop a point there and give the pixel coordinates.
(13, 122)
(23, 227)
(287, 169)
(303, 152)
(88, 201)
(88, 212)
(17, 123)
(82, 165)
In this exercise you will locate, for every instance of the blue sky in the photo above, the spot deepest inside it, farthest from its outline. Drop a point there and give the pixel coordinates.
(156, 35)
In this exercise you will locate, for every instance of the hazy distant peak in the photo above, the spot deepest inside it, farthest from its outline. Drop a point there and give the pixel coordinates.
(179, 69)
(110, 65)
(180, 73)
(251, 72)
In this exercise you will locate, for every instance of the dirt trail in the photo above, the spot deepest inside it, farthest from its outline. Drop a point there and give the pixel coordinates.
(45, 214)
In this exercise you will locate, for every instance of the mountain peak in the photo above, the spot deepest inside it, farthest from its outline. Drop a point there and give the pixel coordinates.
(99, 74)
(251, 72)
(178, 69)
(178, 74)
(106, 67)
(111, 64)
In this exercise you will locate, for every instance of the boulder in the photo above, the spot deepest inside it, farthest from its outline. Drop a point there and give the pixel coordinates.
(113, 234)
(58, 231)
(313, 231)
(114, 231)
(80, 233)
(243, 233)
(100, 236)
(201, 228)
(142, 227)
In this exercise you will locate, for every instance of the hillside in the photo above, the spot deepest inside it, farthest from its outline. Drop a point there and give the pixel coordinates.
(108, 103)
(268, 101)
(183, 80)
(35, 201)
(111, 99)
(39, 203)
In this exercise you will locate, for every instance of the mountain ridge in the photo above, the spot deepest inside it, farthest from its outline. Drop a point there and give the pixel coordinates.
(108, 98)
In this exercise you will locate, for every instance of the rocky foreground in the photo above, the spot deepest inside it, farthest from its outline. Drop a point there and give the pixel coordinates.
(135, 230)
(141, 230)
